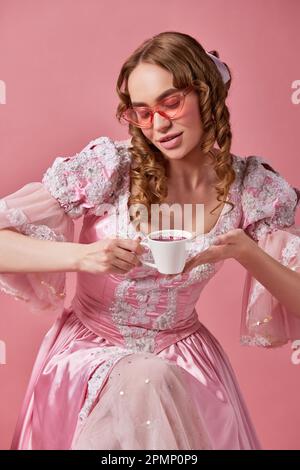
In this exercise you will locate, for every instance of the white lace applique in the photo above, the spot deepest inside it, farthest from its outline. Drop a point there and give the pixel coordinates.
(256, 340)
(87, 179)
(42, 232)
(268, 200)
(124, 312)
(18, 219)
(3, 205)
(109, 355)
(290, 251)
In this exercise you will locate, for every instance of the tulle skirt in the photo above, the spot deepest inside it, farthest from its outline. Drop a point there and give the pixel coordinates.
(185, 397)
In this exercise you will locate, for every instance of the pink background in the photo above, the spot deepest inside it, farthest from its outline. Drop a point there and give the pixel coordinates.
(60, 61)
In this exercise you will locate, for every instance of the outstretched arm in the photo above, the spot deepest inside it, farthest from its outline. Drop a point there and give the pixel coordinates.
(22, 254)
(281, 281)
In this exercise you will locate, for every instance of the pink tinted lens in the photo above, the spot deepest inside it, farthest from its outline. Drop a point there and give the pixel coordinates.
(142, 116)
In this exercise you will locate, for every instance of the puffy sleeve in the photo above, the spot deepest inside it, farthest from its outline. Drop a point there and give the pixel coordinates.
(71, 187)
(269, 206)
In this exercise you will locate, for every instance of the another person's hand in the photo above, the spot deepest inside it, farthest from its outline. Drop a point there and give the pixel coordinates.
(112, 255)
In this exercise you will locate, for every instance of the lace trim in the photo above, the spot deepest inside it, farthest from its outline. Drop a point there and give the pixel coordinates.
(18, 220)
(291, 250)
(256, 340)
(96, 381)
(16, 217)
(259, 340)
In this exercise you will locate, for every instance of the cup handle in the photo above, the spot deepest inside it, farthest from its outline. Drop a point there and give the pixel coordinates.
(147, 263)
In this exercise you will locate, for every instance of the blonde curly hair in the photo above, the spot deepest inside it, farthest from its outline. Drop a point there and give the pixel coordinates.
(187, 60)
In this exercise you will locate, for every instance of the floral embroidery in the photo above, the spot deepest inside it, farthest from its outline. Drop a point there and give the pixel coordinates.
(87, 179)
(124, 312)
(268, 201)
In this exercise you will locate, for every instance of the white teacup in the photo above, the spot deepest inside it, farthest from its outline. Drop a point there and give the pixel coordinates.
(169, 255)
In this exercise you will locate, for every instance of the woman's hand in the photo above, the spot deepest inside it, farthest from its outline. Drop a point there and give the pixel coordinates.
(233, 244)
(112, 255)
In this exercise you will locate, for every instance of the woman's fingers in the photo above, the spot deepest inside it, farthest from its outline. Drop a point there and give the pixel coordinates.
(129, 259)
(210, 255)
(115, 269)
(122, 264)
(130, 245)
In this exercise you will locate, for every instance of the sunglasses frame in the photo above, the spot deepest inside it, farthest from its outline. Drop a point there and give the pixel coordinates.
(155, 109)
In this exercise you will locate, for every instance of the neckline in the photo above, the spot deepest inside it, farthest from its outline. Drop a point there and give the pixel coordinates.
(207, 234)
(218, 222)
(214, 228)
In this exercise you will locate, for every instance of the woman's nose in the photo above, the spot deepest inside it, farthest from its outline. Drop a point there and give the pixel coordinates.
(160, 122)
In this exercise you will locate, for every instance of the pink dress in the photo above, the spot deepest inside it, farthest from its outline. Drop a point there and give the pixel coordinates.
(128, 365)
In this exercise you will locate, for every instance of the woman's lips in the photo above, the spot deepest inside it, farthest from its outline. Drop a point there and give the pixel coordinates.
(169, 144)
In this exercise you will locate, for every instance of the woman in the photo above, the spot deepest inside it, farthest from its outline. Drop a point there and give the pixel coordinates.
(128, 365)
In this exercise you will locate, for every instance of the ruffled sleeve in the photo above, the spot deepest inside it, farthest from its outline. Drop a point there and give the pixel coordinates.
(269, 206)
(71, 187)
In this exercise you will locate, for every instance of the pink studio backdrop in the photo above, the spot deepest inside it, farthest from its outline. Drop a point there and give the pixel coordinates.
(60, 61)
